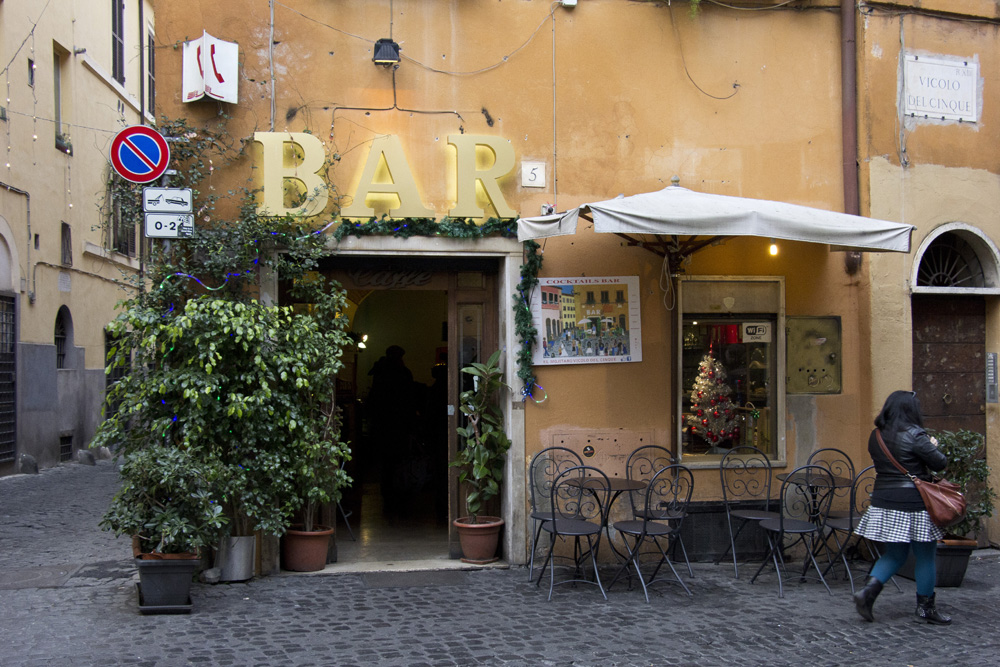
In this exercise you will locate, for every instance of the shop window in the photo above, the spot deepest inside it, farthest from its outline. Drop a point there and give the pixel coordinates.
(731, 357)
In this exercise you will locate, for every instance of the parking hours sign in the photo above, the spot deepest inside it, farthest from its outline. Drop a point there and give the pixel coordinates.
(168, 212)
(139, 154)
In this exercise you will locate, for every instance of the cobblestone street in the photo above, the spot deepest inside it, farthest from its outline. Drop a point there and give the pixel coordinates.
(67, 597)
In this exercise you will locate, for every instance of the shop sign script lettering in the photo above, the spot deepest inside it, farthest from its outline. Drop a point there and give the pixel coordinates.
(390, 279)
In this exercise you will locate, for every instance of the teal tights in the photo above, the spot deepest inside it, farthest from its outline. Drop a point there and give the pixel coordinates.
(894, 555)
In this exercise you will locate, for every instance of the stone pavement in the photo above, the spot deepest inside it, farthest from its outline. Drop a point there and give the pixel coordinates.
(67, 597)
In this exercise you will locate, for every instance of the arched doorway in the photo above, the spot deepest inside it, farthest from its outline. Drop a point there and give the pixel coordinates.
(957, 270)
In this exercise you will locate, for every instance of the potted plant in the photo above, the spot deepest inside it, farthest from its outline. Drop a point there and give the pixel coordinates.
(166, 504)
(966, 467)
(238, 387)
(482, 460)
(314, 449)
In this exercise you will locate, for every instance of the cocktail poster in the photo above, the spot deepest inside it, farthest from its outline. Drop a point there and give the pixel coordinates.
(587, 320)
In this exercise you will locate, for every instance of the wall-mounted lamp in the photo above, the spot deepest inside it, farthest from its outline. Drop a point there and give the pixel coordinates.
(386, 52)
(773, 248)
(362, 343)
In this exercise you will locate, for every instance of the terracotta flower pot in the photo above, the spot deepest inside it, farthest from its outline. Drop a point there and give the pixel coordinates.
(303, 551)
(479, 540)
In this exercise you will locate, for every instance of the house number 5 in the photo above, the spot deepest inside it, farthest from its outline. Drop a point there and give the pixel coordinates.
(532, 174)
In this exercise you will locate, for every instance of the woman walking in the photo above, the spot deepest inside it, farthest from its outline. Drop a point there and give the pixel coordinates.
(897, 515)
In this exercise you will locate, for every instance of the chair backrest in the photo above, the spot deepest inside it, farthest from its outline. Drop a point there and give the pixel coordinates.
(668, 495)
(581, 493)
(642, 464)
(861, 492)
(840, 465)
(746, 475)
(545, 467)
(806, 494)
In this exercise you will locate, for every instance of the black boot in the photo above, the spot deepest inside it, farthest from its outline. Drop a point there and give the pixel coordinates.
(927, 611)
(865, 598)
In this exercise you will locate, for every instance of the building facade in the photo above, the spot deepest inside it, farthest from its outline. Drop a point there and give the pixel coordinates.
(494, 111)
(75, 74)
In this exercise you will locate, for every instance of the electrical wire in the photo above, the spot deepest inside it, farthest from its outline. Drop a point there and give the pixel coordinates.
(502, 61)
(31, 33)
(680, 48)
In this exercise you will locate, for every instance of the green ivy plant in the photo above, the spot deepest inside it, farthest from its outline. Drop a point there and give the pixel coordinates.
(483, 457)
(967, 467)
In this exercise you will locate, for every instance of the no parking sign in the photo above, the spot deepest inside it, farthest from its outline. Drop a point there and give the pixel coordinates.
(139, 154)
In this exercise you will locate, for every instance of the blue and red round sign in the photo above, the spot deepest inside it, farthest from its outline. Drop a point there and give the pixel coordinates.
(139, 154)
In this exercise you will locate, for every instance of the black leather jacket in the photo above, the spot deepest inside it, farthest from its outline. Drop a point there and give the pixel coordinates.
(913, 449)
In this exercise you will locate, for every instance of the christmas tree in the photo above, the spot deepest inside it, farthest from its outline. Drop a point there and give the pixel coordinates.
(713, 415)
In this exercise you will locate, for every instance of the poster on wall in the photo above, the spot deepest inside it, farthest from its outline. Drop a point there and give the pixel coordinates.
(587, 320)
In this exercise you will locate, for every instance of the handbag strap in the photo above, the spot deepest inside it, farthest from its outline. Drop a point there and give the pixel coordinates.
(892, 459)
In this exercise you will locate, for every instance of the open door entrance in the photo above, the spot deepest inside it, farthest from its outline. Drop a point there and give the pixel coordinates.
(400, 395)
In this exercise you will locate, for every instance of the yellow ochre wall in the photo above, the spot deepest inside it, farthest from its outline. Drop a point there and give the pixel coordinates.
(615, 97)
(926, 173)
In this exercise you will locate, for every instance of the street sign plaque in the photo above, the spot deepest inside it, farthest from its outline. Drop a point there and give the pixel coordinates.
(167, 200)
(169, 225)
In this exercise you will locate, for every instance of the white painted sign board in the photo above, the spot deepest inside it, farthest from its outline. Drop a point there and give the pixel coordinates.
(756, 332)
(941, 89)
(211, 67)
(167, 200)
(169, 225)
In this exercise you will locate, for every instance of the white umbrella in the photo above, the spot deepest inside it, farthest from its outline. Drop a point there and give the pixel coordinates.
(677, 211)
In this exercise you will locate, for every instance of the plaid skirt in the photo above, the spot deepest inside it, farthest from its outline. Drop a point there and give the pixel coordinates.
(884, 525)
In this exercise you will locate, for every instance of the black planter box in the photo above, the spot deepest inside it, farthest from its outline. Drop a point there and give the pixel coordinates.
(952, 561)
(706, 535)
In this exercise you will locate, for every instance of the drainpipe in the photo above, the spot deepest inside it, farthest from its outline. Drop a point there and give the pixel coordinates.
(849, 109)
(27, 201)
(142, 65)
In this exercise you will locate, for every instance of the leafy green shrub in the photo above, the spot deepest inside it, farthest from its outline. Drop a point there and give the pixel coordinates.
(967, 467)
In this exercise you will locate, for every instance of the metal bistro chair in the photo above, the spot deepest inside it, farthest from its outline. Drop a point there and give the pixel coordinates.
(806, 494)
(545, 467)
(840, 465)
(746, 475)
(666, 497)
(641, 465)
(845, 526)
(579, 499)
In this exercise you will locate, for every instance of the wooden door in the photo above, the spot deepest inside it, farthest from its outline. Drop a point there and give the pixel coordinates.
(949, 365)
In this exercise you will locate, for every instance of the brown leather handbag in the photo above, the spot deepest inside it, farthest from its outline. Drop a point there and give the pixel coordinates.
(943, 499)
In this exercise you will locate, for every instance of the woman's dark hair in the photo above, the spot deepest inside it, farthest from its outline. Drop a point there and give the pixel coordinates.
(901, 409)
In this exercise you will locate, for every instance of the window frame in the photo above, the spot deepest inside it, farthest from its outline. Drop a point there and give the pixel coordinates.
(118, 41)
(751, 297)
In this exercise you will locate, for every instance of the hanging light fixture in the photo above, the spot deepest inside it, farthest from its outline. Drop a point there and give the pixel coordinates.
(386, 52)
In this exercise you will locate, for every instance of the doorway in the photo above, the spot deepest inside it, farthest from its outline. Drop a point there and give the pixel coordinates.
(417, 325)
(949, 345)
